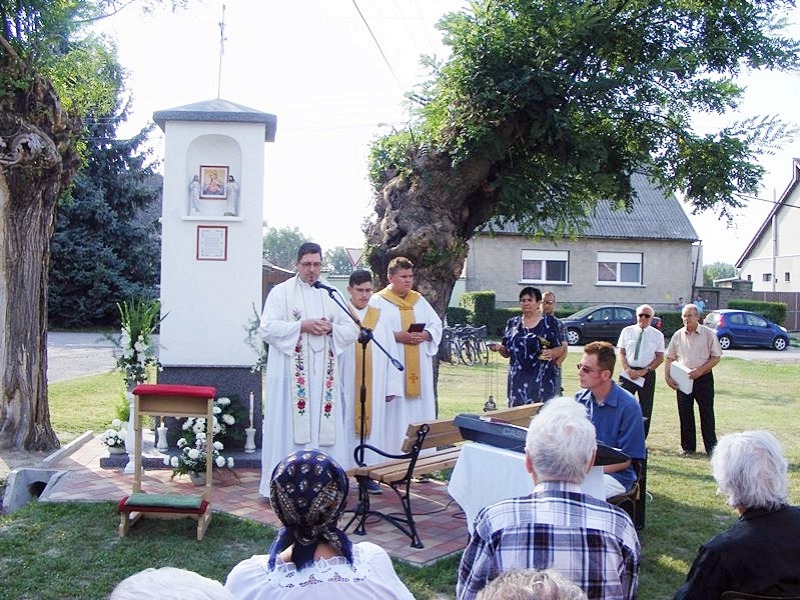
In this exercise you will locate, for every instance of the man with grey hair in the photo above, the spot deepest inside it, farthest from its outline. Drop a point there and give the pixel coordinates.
(696, 349)
(557, 526)
(760, 553)
(641, 350)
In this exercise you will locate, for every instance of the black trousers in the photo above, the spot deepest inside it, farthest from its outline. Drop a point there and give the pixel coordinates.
(703, 393)
(645, 395)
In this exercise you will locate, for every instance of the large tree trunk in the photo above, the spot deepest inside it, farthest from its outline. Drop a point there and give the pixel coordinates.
(429, 215)
(37, 161)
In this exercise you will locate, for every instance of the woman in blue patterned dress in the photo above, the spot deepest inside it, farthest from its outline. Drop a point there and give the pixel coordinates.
(531, 341)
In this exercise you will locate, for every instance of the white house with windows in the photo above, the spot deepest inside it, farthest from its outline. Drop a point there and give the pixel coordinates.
(772, 258)
(649, 255)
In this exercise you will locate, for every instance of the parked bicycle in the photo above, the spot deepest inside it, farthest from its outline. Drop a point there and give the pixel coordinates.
(464, 344)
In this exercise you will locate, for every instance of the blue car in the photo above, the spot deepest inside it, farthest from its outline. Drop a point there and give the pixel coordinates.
(743, 328)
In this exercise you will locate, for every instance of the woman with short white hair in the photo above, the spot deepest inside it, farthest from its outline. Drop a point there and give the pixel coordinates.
(760, 553)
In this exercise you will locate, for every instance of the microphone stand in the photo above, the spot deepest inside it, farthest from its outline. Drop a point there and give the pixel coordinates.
(364, 337)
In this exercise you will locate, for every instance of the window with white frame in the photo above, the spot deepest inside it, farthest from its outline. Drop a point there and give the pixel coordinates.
(550, 266)
(619, 268)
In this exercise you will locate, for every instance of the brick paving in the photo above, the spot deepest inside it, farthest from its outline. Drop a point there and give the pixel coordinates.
(440, 521)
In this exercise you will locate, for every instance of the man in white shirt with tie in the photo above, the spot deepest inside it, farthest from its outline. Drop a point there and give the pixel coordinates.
(641, 350)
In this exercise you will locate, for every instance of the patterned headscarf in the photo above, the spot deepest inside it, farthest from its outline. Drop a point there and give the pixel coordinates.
(308, 492)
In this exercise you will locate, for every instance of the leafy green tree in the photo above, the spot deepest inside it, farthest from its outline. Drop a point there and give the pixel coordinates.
(50, 76)
(717, 270)
(546, 108)
(106, 246)
(336, 262)
(280, 246)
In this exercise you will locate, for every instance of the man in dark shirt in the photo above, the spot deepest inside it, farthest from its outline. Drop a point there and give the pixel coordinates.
(760, 554)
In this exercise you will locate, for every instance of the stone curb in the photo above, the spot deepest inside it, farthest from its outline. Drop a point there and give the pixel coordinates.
(65, 451)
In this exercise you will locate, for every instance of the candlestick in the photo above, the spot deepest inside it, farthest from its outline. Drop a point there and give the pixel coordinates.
(250, 444)
(251, 410)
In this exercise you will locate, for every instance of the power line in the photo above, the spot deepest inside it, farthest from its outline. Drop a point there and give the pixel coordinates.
(378, 45)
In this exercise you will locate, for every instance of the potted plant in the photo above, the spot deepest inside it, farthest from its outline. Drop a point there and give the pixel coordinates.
(114, 437)
(191, 458)
(139, 320)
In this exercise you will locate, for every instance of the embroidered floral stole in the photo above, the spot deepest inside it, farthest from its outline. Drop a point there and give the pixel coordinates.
(411, 353)
(301, 417)
(370, 321)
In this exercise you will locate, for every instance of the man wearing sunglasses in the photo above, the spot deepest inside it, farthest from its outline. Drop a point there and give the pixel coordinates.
(613, 411)
(641, 350)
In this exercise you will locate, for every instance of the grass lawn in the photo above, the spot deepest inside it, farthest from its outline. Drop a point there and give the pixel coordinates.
(72, 550)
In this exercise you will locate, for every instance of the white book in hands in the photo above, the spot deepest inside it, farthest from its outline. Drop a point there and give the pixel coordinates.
(680, 375)
(638, 381)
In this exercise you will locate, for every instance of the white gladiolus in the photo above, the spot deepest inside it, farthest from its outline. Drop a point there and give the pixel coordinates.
(181, 442)
(220, 460)
(217, 410)
(174, 461)
(228, 419)
(116, 423)
(218, 445)
(193, 453)
(230, 462)
(224, 401)
(167, 461)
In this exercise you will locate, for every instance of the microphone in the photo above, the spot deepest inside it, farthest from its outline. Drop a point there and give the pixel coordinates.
(397, 365)
(321, 286)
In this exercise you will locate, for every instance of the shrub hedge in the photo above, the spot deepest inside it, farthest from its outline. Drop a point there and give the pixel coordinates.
(774, 311)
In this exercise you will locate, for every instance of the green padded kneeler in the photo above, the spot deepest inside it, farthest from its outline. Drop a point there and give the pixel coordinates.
(163, 503)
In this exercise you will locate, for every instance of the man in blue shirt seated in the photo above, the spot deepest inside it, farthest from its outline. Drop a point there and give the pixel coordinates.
(760, 553)
(557, 527)
(614, 412)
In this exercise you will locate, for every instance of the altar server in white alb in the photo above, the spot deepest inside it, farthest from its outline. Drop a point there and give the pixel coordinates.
(306, 331)
(417, 330)
(382, 380)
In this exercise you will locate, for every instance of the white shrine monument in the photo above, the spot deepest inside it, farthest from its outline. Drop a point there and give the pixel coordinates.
(211, 247)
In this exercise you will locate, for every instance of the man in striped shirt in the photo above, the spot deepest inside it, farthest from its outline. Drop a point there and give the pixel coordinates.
(557, 527)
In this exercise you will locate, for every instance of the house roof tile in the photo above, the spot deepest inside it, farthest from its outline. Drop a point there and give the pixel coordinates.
(654, 216)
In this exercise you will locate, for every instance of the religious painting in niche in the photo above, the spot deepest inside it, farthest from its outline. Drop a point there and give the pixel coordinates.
(212, 182)
(212, 243)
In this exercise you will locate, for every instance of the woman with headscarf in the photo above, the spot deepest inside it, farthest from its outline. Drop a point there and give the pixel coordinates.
(311, 557)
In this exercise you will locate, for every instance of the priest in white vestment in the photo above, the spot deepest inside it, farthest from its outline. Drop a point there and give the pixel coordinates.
(306, 331)
(404, 307)
(382, 380)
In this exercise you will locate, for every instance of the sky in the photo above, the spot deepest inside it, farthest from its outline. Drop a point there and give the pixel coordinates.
(315, 65)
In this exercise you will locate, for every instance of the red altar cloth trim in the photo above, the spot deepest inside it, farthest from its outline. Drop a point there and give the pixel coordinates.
(166, 389)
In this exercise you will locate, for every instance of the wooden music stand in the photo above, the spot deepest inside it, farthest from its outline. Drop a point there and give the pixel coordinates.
(176, 401)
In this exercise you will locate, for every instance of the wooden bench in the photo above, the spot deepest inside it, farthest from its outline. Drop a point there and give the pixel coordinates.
(427, 448)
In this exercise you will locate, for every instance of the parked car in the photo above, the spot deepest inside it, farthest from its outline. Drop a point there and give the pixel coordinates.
(744, 328)
(601, 323)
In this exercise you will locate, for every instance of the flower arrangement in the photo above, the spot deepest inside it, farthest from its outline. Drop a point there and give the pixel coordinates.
(114, 437)
(139, 320)
(192, 457)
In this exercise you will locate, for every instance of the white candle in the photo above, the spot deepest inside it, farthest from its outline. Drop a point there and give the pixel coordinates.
(251, 410)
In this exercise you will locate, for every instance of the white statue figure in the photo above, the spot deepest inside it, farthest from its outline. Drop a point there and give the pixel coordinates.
(233, 198)
(194, 195)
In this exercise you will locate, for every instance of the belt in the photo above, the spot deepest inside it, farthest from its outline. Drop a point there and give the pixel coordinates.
(633, 367)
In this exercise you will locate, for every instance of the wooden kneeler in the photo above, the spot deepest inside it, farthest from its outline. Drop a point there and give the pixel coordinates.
(176, 401)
